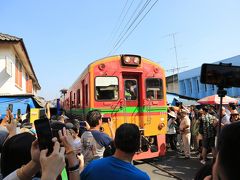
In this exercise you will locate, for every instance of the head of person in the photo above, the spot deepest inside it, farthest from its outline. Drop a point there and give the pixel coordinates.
(204, 110)
(94, 118)
(184, 112)
(127, 138)
(223, 110)
(200, 112)
(228, 147)
(234, 115)
(172, 114)
(16, 152)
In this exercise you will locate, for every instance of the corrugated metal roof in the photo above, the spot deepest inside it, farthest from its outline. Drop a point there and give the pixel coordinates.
(6, 37)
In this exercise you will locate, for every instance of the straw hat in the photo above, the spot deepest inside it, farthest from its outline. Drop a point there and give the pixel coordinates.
(184, 111)
(234, 112)
(172, 114)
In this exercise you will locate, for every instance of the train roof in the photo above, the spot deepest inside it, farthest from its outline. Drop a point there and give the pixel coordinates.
(98, 61)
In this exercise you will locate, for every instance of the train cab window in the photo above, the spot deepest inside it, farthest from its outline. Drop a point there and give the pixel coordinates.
(154, 88)
(106, 88)
(131, 92)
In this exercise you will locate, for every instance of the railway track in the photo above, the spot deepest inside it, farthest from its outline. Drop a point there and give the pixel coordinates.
(162, 169)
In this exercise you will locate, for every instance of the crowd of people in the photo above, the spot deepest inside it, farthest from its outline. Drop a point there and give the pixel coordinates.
(85, 152)
(196, 128)
(79, 152)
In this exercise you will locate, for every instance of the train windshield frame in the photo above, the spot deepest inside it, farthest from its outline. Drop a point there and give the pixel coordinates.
(154, 88)
(106, 88)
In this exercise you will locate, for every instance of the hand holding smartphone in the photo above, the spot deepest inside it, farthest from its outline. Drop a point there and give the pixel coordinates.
(9, 111)
(44, 134)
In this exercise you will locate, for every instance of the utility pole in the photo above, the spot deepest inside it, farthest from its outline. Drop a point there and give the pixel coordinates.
(175, 50)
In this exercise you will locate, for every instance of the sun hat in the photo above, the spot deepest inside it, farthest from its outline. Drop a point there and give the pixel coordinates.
(172, 114)
(234, 112)
(184, 111)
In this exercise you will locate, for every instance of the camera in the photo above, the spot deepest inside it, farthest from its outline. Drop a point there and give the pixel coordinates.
(222, 75)
(106, 119)
(82, 124)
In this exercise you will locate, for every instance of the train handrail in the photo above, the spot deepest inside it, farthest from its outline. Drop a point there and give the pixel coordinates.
(148, 111)
(125, 110)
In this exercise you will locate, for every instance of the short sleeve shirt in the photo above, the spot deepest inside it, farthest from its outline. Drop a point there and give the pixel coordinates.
(112, 168)
(93, 144)
(208, 128)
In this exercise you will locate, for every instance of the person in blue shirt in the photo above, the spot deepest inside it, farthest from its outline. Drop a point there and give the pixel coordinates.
(93, 141)
(118, 166)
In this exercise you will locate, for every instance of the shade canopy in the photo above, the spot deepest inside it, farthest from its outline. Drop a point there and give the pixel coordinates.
(214, 99)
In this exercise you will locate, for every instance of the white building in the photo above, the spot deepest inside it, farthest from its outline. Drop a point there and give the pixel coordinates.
(190, 85)
(16, 72)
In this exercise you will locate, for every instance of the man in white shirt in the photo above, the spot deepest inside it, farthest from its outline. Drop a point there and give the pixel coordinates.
(185, 131)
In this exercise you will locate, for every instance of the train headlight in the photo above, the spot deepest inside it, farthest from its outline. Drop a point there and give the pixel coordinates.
(127, 60)
(131, 60)
(136, 60)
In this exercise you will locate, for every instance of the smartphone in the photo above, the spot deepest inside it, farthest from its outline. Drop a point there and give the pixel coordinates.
(10, 107)
(44, 134)
(106, 119)
(224, 75)
(19, 113)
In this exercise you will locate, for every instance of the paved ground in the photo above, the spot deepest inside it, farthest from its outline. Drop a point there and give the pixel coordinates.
(155, 173)
(174, 163)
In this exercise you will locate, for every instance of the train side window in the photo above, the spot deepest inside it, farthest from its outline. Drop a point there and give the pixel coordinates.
(106, 88)
(154, 88)
(131, 92)
(86, 93)
(78, 98)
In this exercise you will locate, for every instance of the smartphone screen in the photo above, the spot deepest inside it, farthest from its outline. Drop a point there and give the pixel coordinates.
(10, 107)
(44, 134)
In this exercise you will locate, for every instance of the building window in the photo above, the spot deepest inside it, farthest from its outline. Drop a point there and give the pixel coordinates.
(29, 86)
(197, 85)
(212, 87)
(190, 86)
(183, 87)
(18, 73)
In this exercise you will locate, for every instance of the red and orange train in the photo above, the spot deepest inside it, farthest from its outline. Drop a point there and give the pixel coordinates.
(127, 89)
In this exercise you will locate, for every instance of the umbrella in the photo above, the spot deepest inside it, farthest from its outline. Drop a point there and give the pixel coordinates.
(214, 99)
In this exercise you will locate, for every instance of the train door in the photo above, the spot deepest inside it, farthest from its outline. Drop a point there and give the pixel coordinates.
(131, 97)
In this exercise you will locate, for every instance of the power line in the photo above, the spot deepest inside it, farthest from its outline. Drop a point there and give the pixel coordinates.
(135, 19)
(136, 25)
(120, 24)
(119, 37)
(117, 25)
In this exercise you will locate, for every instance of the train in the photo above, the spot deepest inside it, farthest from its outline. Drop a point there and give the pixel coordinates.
(128, 89)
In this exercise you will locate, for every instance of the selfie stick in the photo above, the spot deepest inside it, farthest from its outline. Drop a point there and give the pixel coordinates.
(221, 93)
